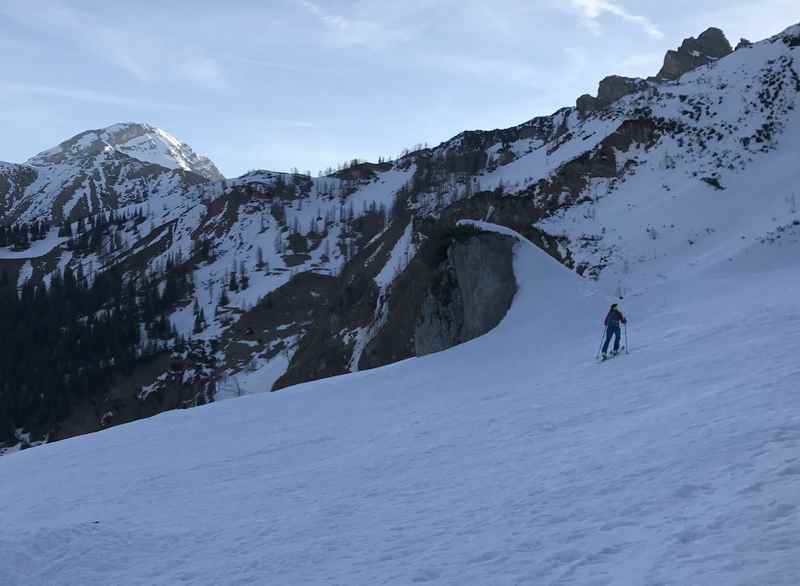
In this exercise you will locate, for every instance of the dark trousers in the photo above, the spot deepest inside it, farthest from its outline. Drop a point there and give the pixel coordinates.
(615, 332)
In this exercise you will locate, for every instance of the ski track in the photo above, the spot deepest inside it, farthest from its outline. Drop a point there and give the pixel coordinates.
(513, 459)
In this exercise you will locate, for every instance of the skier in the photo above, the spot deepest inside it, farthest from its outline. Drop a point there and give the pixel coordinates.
(612, 321)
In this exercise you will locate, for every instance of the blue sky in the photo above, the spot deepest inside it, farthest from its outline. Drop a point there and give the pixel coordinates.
(310, 83)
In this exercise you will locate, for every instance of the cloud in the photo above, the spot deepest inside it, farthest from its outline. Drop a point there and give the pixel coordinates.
(348, 31)
(592, 10)
(85, 95)
(332, 20)
(140, 54)
(200, 69)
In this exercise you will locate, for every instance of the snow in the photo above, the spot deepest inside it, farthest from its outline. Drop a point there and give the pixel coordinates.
(106, 169)
(489, 227)
(543, 159)
(382, 190)
(258, 378)
(139, 141)
(401, 255)
(658, 214)
(37, 248)
(25, 273)
(514, 458)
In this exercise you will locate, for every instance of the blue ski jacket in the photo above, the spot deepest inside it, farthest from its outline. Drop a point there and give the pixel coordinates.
(614, 318)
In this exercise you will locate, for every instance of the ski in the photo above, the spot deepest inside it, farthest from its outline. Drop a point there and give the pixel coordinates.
(612, 355)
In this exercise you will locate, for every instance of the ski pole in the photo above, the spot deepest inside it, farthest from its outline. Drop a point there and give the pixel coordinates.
(627, 346)
(603, 337)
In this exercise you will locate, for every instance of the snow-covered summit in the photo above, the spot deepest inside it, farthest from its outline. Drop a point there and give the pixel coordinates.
(101, 170)
(140, 141)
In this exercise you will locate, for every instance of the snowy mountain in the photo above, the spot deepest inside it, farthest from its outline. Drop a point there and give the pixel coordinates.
(291, 278)
(101, 171)
(143, 142)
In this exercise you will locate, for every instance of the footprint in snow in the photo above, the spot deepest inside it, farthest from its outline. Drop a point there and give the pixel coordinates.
(425, 575)
(780, 512)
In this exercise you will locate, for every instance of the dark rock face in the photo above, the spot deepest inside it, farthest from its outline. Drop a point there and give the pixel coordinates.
(614, 87)
(611, 89)
(348, 304)
(586, 103)
(14, 179)
(474, 293)
(694, 52)
(743, 44)
(442, 316)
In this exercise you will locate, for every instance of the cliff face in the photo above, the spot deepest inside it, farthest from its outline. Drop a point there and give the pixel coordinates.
(710, 46)
(474, 290)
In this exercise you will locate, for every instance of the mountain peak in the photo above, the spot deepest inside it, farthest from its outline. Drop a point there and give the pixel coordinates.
(140, 141)
(709, 46)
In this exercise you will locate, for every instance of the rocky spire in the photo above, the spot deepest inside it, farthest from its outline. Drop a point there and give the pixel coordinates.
(694, 52)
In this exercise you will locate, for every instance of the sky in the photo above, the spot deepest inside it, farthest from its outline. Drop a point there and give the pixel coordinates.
(277, 84)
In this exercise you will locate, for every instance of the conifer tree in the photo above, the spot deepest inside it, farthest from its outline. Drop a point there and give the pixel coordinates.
(223, 297)
(259, 258)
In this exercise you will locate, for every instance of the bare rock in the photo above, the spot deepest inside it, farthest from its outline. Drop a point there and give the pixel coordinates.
(471, 297)
(611, 89)
(694, 52)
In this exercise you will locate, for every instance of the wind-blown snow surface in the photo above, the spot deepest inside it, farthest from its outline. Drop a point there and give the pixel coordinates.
(513, 459)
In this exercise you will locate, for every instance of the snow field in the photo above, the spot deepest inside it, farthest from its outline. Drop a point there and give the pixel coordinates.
(513, 459)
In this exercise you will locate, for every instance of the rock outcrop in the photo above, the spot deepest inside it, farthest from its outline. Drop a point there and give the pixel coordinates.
(611, 89)
(472, 296)
(694, 52)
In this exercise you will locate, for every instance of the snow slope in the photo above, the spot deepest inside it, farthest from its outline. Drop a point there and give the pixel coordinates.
(512, 459)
